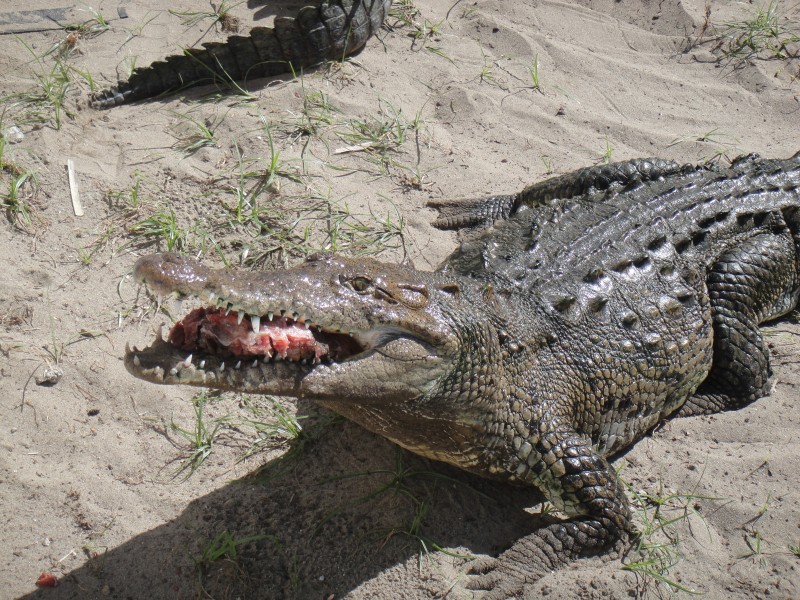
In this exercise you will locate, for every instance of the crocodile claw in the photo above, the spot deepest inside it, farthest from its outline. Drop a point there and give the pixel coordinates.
(500, 578)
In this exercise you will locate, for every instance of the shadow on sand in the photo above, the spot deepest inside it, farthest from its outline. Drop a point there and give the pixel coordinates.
(324, 518)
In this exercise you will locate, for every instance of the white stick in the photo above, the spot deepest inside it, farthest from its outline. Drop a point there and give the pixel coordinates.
(73, 189)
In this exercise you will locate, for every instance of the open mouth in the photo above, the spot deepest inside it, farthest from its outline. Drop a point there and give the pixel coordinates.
(237, 328)
(268, 338)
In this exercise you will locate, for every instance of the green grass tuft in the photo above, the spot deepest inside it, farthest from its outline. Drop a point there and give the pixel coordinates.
(762, 36)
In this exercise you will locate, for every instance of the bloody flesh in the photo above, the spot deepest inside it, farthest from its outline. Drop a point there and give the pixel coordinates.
(213, 332)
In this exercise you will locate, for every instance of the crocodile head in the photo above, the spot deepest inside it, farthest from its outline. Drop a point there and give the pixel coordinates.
(375, 342)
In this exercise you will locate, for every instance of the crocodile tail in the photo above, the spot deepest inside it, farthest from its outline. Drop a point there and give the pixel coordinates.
(330, 31)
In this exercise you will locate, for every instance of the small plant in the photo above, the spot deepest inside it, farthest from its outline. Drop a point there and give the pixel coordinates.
(533, 71)
(130, 63)
(346, 232)
(760, 36)
(270, 425)
(85, 257)
(396, 487)
(405, 14)
(195, 134)
(93, 547)
(722, 144)
(16, 200)
(138, 29)
(274, 168)
(378, 137)
(225, 545)
(128, 199)
(712, 136)
(217, 15)
(657, 551)
(161, 226)
(90, 28)
(605, 157)
(755, 551)
(46, 102)
(487, 71)
(316, 114)
(132, 198)
(252, 181)
(201, 437)
(795, 549)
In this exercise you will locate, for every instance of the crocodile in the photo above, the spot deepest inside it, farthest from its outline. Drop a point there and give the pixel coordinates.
(573, 318)
(332, 30)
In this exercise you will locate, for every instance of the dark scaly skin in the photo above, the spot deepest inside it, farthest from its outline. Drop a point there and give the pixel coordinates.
(482, 213)
(546, 343)
(330, 31)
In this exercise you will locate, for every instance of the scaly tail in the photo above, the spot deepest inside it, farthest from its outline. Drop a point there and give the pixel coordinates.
(330, 31)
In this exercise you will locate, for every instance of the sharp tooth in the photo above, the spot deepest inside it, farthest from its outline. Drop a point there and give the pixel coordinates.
(238, 365)
(303, 361)
(255, 323)
(202, 364)
(295, 315)
(188, 362)
(173, 371)
(255, 363)
(136, 361)
(211, 297)
(239, 317)
(270, 315)
(228, 309)
(222, 366)
(307, 325)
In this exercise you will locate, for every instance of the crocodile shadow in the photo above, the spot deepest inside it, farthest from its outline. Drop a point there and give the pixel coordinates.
(324, 518)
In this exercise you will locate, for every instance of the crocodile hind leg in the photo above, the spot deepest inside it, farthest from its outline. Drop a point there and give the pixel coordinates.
(481, 213)
(750, 284)
(579, 482)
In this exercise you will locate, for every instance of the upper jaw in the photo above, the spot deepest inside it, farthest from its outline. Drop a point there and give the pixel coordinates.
(248, 295)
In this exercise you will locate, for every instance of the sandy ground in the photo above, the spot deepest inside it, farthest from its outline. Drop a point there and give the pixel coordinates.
(87, 486)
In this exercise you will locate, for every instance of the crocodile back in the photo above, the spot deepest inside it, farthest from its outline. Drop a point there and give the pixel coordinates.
(618, 279)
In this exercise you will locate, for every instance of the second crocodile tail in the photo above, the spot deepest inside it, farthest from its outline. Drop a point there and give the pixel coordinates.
(330, 31)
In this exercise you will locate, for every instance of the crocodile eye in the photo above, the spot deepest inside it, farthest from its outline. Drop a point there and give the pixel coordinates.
(360, 284)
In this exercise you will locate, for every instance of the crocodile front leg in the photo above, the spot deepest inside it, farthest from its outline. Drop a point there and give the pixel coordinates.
(579, 482)
(483, 212)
